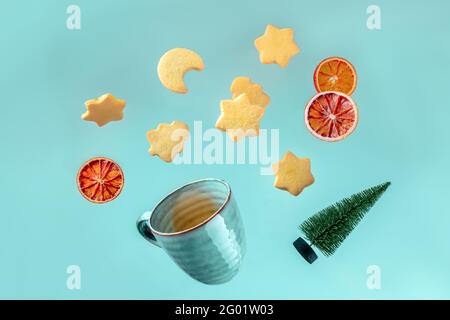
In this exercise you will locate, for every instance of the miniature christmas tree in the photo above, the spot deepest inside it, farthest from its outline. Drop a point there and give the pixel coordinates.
(327, 229)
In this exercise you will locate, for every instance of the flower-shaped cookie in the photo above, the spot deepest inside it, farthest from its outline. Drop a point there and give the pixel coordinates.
(167, 140)
(104, 109)
(254, 91)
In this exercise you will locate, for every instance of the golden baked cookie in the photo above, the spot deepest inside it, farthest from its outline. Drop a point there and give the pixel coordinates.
(293, 174)
(276, 46)
(254, 91)
(239, 118)
(104, 109)
(174, 64)
(167, 140)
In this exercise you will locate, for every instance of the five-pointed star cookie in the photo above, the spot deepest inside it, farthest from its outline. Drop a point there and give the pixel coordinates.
(104, 109)
(293, 174)
(239, 118)
(167, 139)
(254, 91)
(276, 46)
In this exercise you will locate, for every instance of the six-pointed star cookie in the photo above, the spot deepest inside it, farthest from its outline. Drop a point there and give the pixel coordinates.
(104, 109)
(167, 139)
(254, 91)
(276, 46)
(239, 118)
(293, 174)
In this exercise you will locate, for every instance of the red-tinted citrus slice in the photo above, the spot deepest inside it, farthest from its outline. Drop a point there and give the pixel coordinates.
(100, 180)
(335, 74)
(331, 116)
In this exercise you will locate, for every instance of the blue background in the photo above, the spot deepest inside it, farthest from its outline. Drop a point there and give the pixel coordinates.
(48, 71)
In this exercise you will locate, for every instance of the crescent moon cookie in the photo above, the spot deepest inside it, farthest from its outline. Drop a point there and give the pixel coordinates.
(167, 140)
(104, 109)
(239, 117)
(254, 91)
(174, 64)
(276, 46)
(293, 174)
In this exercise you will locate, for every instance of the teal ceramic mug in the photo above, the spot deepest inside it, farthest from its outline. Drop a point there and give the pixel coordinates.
(199, 227)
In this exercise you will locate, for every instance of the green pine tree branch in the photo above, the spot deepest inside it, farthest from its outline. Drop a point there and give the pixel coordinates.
(328, 228)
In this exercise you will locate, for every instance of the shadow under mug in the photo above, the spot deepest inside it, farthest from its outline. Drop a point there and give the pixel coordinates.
(199, 227)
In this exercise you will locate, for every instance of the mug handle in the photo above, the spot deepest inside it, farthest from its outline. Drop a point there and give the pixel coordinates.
(144, 228)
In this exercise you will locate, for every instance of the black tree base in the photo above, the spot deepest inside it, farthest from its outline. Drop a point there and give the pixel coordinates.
(305, 250)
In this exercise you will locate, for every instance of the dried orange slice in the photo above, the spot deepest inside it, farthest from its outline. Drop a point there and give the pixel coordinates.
(331, 116)
(335, 74)
(100, 180)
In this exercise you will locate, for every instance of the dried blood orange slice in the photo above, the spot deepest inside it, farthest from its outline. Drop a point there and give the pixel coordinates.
(100, 180)
(331, 116)
(335, 74)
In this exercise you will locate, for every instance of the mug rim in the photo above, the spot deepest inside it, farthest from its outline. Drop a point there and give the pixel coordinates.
(217, 212)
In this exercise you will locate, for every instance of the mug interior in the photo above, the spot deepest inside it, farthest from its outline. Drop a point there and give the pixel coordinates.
(190, 206)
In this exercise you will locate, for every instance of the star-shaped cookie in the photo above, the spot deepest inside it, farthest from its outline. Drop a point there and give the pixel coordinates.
(254, 91)
(276, 46)
(167, 140)
(239, 118)
(293, 174)
(104, 109)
